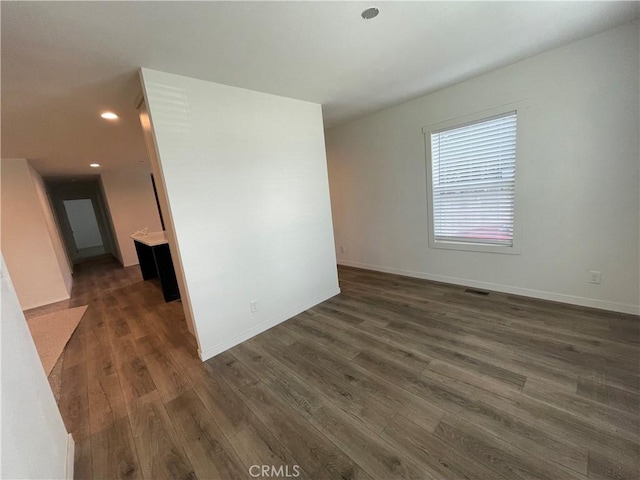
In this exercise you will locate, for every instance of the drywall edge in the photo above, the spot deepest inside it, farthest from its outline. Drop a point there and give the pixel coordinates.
(165, 204)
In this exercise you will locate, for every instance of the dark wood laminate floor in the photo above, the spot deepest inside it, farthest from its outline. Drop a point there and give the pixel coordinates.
(394, 378)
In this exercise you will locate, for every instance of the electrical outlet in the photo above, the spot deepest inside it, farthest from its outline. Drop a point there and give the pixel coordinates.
(253, 304)
(343, 249)
(595, 276)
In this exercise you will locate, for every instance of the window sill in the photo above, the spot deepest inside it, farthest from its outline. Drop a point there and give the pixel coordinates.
(476, 247)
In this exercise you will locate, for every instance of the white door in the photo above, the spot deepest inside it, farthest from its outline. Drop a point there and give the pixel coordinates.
(84, 227)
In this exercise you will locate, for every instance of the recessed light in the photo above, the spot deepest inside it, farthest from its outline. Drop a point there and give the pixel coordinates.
(370, 13)
(109, 116)
(94, 165)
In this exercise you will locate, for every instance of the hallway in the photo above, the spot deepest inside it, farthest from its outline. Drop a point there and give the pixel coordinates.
(129, 354)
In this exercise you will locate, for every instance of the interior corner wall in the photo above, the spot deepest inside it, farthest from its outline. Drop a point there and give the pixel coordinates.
(577, 178)
(132, 204)
(64, 263)
(34, 438)
(245, 177)
(29, 237)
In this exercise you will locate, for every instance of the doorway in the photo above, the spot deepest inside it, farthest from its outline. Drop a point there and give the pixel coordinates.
(84, 227)
(83, 218)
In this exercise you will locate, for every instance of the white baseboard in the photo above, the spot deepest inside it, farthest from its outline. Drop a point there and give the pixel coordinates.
(42, 304)
(211, 352)
(525, 292)
(71, 453)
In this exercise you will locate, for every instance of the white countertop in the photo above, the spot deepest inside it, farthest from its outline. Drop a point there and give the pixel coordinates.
(151, 239)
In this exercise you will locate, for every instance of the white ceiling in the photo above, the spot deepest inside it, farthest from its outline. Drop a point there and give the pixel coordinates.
(64, 62)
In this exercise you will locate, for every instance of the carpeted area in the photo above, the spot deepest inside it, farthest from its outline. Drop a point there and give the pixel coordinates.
(52, 331)
(55, 378)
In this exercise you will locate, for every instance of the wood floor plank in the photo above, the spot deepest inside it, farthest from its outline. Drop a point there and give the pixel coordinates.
(223, 404)
(435, 347)
(334, 311)
(460, 398)
(291, 389)
(316, 379)
(185, 355)
(343, 303)
(598, 345)
(168, 377)
(82, 460)
(603, 468)
(597, 414)
(342, 387)
(113, 454)
(414, 309)
(74, 400)
(227, 366)
(381, 395)
(420, 410)
(100, 362)
(160, 454)
(309, 330)
(117, 324)
(358, 335)
(376, 457)
(408, 335)
(306, 444)
(133, 315)
(208, 449)
(106, 402)
(609, 395)
(432, 453)
(472, 376)
(564, 436)
(135, 379)
(482, 344)
(257, 446)
(505, 459)
(74, 352)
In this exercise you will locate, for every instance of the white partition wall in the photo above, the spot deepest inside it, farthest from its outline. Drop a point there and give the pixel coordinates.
(35, 443)
(245, 178)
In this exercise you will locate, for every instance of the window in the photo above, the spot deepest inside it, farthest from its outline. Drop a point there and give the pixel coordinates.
(472, 184)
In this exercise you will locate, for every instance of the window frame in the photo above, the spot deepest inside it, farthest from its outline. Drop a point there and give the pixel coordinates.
(520, 108)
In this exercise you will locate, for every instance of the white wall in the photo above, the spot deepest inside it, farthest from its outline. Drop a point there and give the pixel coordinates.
(29, 239)
(132, 205)
(577, 178)
(246, 182)
(55, 235)
(34, 439)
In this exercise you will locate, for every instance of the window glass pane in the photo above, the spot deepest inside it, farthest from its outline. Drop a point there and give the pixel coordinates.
(473, 180)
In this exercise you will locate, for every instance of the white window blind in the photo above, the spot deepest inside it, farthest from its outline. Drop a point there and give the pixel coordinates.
(473, 175)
